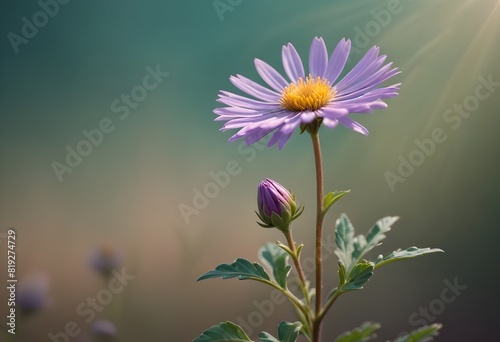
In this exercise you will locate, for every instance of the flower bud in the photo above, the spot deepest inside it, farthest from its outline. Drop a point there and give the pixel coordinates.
(277, 207)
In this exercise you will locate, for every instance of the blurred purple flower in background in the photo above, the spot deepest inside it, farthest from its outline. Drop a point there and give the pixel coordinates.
(103, 330)
(105, 258)
(32, 293)
(306, 98)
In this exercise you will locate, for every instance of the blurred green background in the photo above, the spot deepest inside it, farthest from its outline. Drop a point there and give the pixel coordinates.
(128, 189)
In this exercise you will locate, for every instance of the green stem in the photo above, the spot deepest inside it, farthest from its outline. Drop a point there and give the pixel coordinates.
(296, 261)
(330, 302)
(319, 231)
(297, 302)
(300, 271)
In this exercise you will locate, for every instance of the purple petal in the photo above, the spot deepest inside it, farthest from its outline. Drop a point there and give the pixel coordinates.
(234, 100)
(338, 60)
(280, 139)
(368, 96)
(307, 116)
(284, 134)
(237, 111)
(283, 140)
(365, 107)
(258, 121)
(291, 124)
(292, 63)
(359, 68)
(256, 136)
(333, 111)
(365, 83)
(270, 75)
(330, 123)
(256, 90)
(280, 189)
(355, 126)
(318, 58)
(275, 138)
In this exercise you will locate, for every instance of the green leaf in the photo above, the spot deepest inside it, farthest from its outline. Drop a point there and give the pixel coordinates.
(277, 259)
(408, 253)
(333, 197)
(374, 237)
(344, 235)
(267, 337)
(342, 274)
(241, 268)
(284, 247)
(299, 249)
(359, 275)
(287, 332)
(364, 333)
(224, 332)
(423, 334)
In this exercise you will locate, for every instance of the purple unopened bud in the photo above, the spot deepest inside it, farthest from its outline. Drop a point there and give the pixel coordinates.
(277, 207)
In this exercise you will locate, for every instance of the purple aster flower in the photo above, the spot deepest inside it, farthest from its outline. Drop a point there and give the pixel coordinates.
(315, 97)
(277, 207)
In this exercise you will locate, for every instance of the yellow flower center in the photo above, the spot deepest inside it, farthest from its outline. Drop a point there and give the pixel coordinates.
(311, 94)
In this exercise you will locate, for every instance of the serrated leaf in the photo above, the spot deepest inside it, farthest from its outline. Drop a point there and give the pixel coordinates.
(359, 275)
(333, 197)
(344, 234)
(361, 334)
(375, 235)
(241, 268)
(223, 332)
(287, 332)
(408, 253)
(277, 259)
(267, 337)
(423, 334)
